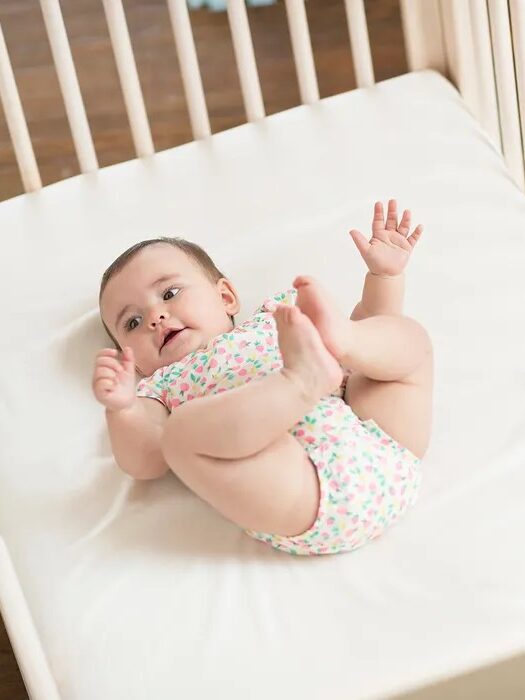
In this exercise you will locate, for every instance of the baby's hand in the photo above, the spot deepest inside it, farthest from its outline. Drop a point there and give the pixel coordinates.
(389, 249)
(114, 382)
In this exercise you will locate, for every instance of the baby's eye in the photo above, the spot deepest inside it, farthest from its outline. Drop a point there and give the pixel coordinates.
(129, 327)
(169, 290)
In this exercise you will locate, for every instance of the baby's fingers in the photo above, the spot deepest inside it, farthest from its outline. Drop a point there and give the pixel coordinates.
(362, 244)
(404, 224)
(110, 362)
(378, 222)
(106, 373)
(413, 239)
(127, 358)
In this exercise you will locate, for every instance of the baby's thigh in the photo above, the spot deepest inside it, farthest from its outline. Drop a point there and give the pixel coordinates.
(275, 490)
(403, 409)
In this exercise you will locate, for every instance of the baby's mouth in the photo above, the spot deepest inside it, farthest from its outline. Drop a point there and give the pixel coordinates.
(170, 336)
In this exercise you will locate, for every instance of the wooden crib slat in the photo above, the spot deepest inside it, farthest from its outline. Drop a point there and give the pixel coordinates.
(245, 59)
(506, 89)
(517, 13)
(69, 86)
(423, 35)
(189, 66)
(302, 51)
(360, 43)
(463, 67)
(448, 39)
(129, 79)
(487, 98)
(16, 122)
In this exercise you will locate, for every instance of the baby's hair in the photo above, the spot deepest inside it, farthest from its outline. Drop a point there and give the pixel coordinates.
(192, 250)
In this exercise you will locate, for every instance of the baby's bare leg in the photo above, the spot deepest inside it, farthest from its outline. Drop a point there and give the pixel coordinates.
(392, 361)
(265, 480)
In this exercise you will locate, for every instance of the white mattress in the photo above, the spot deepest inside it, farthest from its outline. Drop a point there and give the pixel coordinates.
(139, 589)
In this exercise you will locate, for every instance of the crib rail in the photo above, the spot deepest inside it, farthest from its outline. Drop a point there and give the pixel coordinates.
(478, 44)
(34, 668)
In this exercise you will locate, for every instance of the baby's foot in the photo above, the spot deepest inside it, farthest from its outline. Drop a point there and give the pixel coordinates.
(321, 309)
(305, 358)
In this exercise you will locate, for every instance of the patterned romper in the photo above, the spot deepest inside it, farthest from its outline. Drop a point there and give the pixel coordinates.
(367, 479)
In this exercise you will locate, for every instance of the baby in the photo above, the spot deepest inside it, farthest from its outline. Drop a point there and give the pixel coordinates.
(310, 427)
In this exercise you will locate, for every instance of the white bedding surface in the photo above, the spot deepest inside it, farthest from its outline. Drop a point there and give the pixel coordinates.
(139, 589)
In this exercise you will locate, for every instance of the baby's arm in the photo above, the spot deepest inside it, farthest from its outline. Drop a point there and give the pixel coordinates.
(381, 295)
(135, 435)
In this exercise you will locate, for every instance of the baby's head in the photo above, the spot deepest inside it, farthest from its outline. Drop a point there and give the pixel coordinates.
(160, 284)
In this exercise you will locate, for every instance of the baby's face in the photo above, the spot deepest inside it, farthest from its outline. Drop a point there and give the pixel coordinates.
(138, 307)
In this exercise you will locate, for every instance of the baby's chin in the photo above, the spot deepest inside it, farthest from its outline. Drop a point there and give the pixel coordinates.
(174, 355)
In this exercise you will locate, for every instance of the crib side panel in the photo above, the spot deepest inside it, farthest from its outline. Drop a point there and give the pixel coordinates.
(477, 44)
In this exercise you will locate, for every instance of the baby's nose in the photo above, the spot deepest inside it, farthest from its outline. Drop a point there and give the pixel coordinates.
(156, 316)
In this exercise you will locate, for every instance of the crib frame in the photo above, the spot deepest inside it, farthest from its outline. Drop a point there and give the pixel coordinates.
(479, 45)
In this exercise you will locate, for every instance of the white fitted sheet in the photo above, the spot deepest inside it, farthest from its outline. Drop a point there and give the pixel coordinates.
(139, 589)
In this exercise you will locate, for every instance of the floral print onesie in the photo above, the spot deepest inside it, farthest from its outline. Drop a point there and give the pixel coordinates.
(367, 479)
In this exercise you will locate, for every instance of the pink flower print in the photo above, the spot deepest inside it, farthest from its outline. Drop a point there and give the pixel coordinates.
(300, 433)
(275, 365)
(333, 484)
(189, 397)
(332, 438)
(185, 373)
(397, 477)
(368, 467)
(184, 387)
(221, 350)
(384, 441)
(259, 348)
(329, 413)
(310, 439)
(238, 360)
(355, 519)
(199, 369)
(175, 403)
(213, 363)
(341, 510)
(327, 427)
(330, 521)
(243, 344)
(242, 372)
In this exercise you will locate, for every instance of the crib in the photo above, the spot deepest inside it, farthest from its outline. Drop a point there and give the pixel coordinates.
(114, 588)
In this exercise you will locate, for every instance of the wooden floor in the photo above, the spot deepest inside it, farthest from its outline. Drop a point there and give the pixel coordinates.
(157, 64)
(160, 77)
